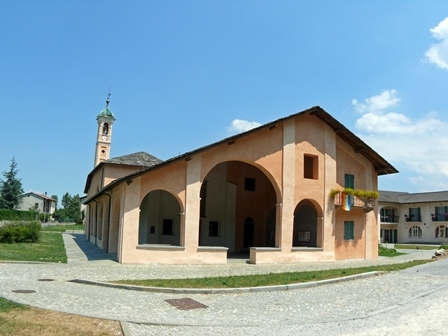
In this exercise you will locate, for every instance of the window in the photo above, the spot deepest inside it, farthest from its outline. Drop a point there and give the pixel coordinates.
(249, 184)
(349, 230)
(441, 213)
(213, 229)
(415, 232)
(349, 181)
(441, 231)
(36, 205)
(167, 229)
(388, 215)
(310, 167)
(414, 215)
(152, 229)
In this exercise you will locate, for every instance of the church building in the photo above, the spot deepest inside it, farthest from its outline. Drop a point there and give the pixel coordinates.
(273, 194)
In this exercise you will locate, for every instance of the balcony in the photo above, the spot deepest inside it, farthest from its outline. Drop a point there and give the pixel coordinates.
(390, 219)
(413, 218)
(365, 203)
(439, 217)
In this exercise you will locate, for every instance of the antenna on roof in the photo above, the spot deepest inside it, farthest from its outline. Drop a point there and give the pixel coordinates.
(108, 98)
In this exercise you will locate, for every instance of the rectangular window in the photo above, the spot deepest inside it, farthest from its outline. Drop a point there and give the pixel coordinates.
(349, 230)
(414, 215)
(167, 229)
(441, 213)
(310, 165)
(213, 229)
(249, 184)
(349, 181)
(36, 205)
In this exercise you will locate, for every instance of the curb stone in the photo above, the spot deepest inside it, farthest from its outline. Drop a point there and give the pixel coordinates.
(228, 290)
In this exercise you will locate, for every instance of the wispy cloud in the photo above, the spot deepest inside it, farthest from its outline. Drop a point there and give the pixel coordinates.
(419, 145)
(438, 53)
(238, 126)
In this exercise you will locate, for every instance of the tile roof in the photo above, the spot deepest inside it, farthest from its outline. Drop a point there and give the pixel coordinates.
(404, 197)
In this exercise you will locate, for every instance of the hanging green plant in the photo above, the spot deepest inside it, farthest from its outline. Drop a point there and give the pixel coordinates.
(355, 192)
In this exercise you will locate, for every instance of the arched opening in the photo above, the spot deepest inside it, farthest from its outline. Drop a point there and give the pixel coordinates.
(159, 219)
(307, 232)
(237, 208)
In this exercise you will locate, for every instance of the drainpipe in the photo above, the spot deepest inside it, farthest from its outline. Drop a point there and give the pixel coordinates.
(108, 220)
(96, 219)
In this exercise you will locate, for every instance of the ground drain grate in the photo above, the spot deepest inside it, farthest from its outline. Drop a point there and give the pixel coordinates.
(185, 304)
(45, 279)
(24, 291)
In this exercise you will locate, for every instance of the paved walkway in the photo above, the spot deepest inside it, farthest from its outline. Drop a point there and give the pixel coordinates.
(334, 302)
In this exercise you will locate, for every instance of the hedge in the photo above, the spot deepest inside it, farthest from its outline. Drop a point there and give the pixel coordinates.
(17, 215)
(20, 232)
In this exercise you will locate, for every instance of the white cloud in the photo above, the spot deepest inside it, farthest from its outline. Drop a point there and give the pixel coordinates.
(238, 126)
(438, 53)
(376, 104)
(418, 145)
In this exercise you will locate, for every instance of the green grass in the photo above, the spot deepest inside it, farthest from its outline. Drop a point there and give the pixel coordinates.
(270, 279)
(387, 252)
(6, 306)
(50, 248)
(62, 227)
(416, 247)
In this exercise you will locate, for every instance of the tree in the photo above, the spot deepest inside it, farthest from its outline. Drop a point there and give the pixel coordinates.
(55, 197)
(10, 188)
(70, 211)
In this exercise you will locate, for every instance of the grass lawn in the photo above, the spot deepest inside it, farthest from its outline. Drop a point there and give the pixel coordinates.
(50, 248)
(416, 247)
(388, 252)
(63, 227)
(270, 279)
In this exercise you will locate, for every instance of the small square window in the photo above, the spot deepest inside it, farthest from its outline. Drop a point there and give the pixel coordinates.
(213, 229)
(167, 229)
(249, 184)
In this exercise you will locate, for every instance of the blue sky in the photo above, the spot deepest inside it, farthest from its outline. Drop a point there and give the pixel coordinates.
(184, 74)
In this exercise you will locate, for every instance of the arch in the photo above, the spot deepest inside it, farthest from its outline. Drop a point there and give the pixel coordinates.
(307, 230)
(259, 167)
(389, 214)
(441, 231)
(233, 192)
(161, 210)
(105, 128)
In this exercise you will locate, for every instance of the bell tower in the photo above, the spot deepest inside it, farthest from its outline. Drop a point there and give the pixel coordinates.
(105, 120)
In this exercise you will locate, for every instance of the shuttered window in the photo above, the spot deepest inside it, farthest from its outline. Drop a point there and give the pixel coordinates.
(349, 230)
(349, 181)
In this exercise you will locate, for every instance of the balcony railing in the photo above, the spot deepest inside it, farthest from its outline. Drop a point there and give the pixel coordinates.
(440, 217)
(414, 218)
(357, 202)
(390, 219)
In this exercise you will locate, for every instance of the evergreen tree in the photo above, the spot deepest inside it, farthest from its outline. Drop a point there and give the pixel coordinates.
(10, 188)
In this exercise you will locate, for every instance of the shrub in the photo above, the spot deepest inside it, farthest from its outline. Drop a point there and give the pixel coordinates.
(20, 232)
(17, 215)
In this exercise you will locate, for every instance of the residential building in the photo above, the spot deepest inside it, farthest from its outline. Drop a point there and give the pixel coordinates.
(37, 201)
(413, 217)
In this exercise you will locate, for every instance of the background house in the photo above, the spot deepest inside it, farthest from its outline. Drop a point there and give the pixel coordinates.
(413, 217)
(38, 202)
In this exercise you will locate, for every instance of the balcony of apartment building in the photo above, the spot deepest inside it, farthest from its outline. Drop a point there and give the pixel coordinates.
(389, 216)
(342, 199)
(440, 214)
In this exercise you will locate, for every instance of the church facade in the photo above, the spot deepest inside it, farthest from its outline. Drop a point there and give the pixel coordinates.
(270, 193)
